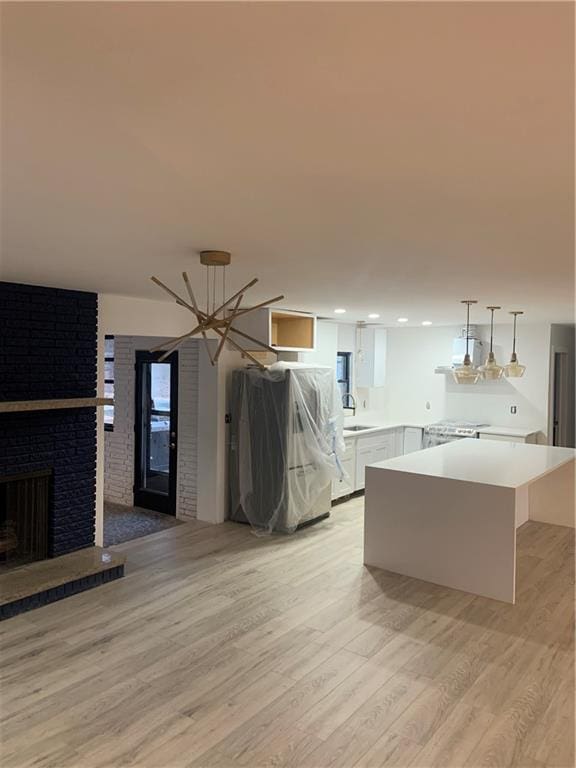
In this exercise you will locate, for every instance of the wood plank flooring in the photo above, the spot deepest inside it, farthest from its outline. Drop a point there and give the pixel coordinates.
(221, 649)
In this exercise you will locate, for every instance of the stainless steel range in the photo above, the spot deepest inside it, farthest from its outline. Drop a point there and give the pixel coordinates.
(447, 431)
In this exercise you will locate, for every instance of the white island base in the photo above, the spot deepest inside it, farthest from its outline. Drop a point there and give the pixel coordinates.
(449, 514)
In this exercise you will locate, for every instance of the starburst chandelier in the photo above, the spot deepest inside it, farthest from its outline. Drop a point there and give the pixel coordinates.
(215, 319)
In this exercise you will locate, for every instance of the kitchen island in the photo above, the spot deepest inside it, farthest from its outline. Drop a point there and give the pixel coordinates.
(449, 514)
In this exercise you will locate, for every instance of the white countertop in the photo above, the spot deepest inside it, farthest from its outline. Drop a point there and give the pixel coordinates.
(507, 431)
(375, 426)
(509, 465)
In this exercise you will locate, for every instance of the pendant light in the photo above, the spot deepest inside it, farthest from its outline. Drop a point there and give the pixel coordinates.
(514, 370)
(217, 318)
(491, 370)
(467, 373)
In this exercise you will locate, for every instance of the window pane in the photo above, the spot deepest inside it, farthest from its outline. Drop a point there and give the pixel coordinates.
(108, 390)
(109, 347)
(159, 436)
(108, 414)
(160, 386)
(340, 368)
(109, 369)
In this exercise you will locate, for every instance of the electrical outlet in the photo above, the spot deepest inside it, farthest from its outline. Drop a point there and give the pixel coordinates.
(513, 409)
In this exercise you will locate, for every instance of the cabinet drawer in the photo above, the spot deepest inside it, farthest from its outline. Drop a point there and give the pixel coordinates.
(378, 439)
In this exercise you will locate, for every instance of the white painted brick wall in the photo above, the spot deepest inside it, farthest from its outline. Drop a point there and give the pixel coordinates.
(119, 443)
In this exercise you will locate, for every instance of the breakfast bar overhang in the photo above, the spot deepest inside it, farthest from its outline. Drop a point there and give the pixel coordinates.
(449, 514)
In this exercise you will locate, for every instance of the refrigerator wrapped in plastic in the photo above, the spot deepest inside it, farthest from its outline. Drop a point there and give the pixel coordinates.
(286, 445)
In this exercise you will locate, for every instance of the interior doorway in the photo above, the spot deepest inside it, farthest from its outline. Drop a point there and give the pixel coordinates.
(561, 400)
(156, 432)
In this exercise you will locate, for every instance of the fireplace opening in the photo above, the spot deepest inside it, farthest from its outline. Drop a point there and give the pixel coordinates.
(24, 511)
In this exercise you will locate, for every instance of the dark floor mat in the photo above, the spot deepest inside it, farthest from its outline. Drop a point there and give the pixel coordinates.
(126, 523)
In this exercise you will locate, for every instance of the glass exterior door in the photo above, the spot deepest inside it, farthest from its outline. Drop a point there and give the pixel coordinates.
(156, 432)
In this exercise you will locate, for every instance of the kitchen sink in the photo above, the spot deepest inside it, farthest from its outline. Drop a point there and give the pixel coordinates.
(357, 428)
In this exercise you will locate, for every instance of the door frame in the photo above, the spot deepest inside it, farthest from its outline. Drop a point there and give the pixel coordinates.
(560, 394)
(149, 499)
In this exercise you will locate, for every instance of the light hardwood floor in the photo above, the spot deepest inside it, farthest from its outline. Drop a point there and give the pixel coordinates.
(222, 649)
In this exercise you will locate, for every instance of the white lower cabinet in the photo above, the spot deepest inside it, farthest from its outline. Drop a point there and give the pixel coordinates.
(412, 439)
(370, 450)
(347, 484)
(363, 451)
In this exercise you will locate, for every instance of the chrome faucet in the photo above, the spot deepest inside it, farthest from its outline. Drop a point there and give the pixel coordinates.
(345, 398)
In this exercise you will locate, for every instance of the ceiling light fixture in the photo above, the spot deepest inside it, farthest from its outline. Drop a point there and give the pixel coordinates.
(514, 370)
(373, 316)
(426, 322)
(339, 311)
(402, 319)
(491, 370)
(218, 319)
(466, 373)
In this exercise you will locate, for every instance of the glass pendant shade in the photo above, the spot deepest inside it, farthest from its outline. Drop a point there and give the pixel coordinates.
(466, 373)
(514, 370)
(491, 371)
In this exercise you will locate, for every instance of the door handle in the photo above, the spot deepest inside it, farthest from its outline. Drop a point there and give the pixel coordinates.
(173, 445)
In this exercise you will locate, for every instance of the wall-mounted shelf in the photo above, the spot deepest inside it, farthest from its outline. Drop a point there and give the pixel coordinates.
(13, 406)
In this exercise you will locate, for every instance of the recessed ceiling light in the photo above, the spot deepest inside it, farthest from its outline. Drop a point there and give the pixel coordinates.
(373, 316)
(402, 319)
(426, 322)
(339, 311)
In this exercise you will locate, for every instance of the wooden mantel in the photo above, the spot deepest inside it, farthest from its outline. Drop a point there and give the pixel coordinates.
(11, 406)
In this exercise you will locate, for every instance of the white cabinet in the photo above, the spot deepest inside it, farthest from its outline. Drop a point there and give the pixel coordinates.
(412, 439)
(326, 345)
(282, 329)
(363, 459)
(371, 357)
(372, 449)
(347, 484)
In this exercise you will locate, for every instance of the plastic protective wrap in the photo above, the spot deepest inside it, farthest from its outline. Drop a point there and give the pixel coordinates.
(286, 445)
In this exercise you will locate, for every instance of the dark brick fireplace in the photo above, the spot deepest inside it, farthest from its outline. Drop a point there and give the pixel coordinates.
(48, 350)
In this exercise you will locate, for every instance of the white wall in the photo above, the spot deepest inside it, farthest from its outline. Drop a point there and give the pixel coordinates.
(412, 384)
(126, 316)
(213, 433)
(119, 443)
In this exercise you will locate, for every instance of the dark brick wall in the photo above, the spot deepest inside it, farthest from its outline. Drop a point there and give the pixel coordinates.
(48, 349)
(47, 342)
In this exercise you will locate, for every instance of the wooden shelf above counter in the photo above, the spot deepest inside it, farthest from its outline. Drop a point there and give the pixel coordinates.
(13, 406)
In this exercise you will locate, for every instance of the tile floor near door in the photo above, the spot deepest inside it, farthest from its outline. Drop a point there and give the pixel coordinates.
(123, 523)
(222, 649)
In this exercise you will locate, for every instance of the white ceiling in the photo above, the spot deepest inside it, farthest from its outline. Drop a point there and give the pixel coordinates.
(381, 157)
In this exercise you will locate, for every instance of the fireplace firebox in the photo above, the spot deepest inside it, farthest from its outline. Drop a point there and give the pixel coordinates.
(24, 518)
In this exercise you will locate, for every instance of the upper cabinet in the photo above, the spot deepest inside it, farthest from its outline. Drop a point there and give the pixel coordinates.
(326, 349)
(284, 329)
(371, 357)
